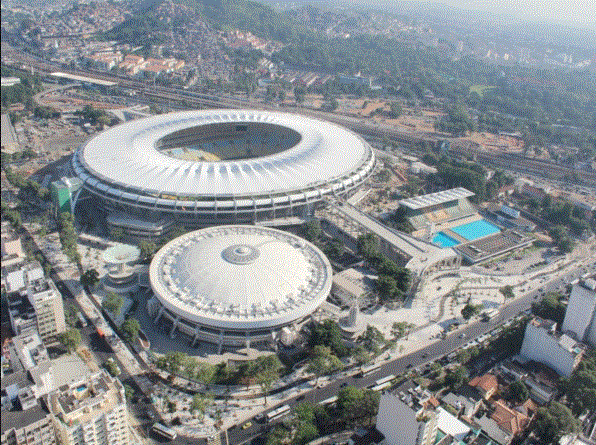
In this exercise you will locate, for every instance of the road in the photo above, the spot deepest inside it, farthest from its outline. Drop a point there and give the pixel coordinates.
(423, 356)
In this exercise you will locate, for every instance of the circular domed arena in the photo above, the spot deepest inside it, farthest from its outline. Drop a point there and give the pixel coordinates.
(212, 167)
(237, 285)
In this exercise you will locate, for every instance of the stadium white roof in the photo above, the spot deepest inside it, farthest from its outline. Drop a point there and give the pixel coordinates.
(127, 155)
(420, 202)
(240, 277)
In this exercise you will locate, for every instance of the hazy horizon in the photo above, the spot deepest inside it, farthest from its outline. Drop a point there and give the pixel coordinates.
(579, 13)
(574, 13)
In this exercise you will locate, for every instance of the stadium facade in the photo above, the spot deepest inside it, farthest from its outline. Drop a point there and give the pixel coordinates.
(213, 167)
(237, 285)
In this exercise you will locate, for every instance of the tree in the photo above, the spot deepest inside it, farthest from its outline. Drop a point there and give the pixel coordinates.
(68, 238)
(112, 367)
(354, 404)
(90, 278)
(113, 303)
(328, 334)
(70, 315)
(456, 377)
(560, 236)
(205, 373)
(299, 94)
(130, 328)
(464, 356)
(551, 307)
(387, 288)
(507, 291)
(265, 380)
(518, 392)
(311, 230)
(399, 329)
(372, 339)
(147, 248)
(117, 234)
(580, 387)
(323, 361)
(128, 391)
(279, 435)
(554, 421)
(469, 310)
(199, 404)
(396, 110)
(360, 355)
(71, 339)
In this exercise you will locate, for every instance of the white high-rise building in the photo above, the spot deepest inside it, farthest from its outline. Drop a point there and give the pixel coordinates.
(580, 317)
(34, 302)
(542, 343)
(404, 420)
(47, 302)
(91, 411)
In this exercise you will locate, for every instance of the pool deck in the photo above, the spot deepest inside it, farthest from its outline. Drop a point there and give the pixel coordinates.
(455, 236)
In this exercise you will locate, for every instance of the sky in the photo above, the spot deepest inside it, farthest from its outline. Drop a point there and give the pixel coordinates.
(581, 13)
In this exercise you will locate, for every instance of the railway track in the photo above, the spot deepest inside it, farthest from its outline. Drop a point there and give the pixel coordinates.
(185, 98)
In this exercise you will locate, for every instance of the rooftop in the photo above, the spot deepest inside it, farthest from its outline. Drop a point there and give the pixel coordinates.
(487, 382)
(84, 399)
(21, 418)
(85, 79)
(508, 419)
(121, 253)
(240, 277)
(420, 202)
(421, 254)
(357, 281)
(318, 158)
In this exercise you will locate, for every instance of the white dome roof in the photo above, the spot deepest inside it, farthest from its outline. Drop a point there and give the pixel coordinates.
(240, 277)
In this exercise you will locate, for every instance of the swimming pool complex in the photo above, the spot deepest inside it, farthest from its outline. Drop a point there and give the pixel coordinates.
(471, 231)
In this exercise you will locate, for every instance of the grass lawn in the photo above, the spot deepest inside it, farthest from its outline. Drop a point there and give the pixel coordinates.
(480, 89)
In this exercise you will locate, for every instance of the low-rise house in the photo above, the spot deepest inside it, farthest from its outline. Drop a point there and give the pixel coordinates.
(486, 384)
(467, 401)
(512, 420)
(539, 391)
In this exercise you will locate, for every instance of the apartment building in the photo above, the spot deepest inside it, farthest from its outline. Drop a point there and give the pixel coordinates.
(91, 411)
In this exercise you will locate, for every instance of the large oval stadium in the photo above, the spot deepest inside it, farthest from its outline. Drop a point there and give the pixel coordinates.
(211, 167)
(237, 284)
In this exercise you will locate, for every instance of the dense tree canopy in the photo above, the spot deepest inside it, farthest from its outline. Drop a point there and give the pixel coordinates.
(553, 421)
(580, 387)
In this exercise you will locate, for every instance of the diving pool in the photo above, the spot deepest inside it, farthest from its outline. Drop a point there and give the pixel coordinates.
(443, 240)
(476, 229)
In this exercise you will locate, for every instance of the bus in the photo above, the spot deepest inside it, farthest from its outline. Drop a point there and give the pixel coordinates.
(367, 370)
(164, 431)
(381, 387)
(82, 320)
(329, 401)
(278, 413)
(490, 314)
(385, 379)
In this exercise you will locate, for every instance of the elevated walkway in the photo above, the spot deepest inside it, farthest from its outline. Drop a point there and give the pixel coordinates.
(420, 256)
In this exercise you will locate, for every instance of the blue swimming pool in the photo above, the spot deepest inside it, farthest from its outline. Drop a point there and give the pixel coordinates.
(476, 229)
(443, 240)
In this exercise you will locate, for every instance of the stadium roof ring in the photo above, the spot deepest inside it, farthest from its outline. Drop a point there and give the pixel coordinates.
(239, 278)
(218, 164)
